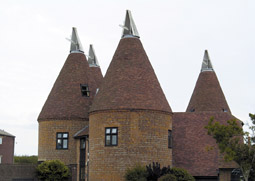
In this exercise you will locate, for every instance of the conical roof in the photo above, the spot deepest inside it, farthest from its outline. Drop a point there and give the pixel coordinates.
(130, 81)
(65, 100)
(207, 95)
(94, 66)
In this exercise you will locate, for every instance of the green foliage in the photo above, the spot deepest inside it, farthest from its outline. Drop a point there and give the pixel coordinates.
(26, 159)
(226, 136)
(52, 170)
(155, 172)
(137, 173)
(181, 174)
(168, 177)
(229, 139)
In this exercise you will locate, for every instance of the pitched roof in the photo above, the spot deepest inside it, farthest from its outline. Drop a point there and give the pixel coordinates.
(65, 100)
(208, 95)
(83, 132)
(189, 130)
(4, 133)
(130, 81)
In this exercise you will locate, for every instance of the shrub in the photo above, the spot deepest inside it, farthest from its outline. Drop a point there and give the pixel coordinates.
(181, 174)
(168, 177)
(155, 172)
(52, 170)
(136, 173)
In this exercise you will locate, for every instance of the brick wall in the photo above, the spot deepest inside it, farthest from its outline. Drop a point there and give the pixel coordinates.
(27, 172)
(47, 140)
(7, 149)
(17, 171)
(142, 138)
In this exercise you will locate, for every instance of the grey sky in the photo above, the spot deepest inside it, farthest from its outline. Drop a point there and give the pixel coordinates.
(174, 33)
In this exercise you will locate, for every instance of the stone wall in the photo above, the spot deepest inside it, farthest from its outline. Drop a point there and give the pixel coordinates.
(142, 138)
(47, 140)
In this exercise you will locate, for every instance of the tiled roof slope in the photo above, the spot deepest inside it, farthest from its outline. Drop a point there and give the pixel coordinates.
(65, 100)
(208, 95)
(97, 75)
(4, 133)
(190, 143)
(130, 81)
(83, 132)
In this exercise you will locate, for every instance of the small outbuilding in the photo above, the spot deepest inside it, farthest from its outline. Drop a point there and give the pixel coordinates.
(7, 141)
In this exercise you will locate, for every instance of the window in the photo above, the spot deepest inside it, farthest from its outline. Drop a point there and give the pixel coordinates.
(82, 143)
(170, 144)
(1, 140)
(111, 136)
(62, 141)
(85, 90)
(192, 110)
(0, 159)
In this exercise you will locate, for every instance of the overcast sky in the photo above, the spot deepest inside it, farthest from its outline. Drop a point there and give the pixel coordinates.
(174, 33)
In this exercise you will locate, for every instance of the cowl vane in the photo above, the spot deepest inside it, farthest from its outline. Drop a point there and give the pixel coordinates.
(129, 28)
(92, 59)
(76, 46)
(206, 65)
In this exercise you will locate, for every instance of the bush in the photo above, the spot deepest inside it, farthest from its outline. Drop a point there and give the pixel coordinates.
(137, 173)
(155, 172)
(168, 177)
(25, 159)
(52, 170)
(181, 174)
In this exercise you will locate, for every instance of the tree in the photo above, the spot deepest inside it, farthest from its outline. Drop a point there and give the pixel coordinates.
(52, 170)
(234, 143)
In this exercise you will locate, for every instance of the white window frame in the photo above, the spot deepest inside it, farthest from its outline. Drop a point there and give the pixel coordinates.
(1, 140)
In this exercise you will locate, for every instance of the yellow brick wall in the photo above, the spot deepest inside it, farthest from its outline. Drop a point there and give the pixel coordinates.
(47, 140)
(225, 175)
(142, 138)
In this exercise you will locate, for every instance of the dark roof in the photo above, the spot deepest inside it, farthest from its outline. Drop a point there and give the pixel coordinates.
(83, 132)
(208, 95)
(65, 100)
(97, 75)
(190, 143)
(130, 81)
(4, 133)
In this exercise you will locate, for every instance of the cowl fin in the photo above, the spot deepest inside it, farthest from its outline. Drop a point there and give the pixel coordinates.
(129, 28)
(76, 46)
